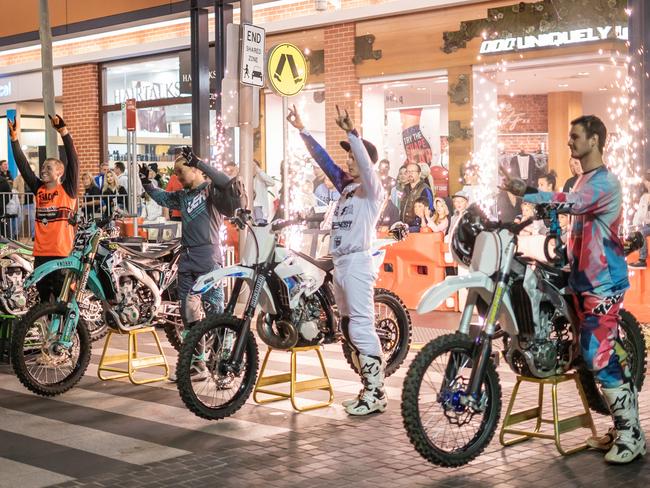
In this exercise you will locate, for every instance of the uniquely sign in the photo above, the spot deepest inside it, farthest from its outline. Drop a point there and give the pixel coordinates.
(554, 39)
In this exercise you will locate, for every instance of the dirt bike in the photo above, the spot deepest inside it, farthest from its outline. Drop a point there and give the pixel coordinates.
(51, 346)
(451, 400)
(293, 296)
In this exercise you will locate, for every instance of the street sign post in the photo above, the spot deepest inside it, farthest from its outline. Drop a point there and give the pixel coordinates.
(251, 64)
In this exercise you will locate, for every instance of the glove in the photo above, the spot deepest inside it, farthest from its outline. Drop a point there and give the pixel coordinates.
(191, 159)
(399, 231)
(143, 172)
(57, 121)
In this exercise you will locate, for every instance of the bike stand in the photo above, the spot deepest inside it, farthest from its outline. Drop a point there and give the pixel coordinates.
(322, 383)
(133, 359)
(560, 426)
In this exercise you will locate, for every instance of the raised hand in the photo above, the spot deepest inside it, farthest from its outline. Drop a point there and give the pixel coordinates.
(294, 118)
(516, 186)
(12, 125)
(57, 122)
(344, 121)
(191, 159)
(143, 172)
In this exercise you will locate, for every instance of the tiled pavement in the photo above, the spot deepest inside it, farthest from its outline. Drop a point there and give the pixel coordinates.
(116, 434)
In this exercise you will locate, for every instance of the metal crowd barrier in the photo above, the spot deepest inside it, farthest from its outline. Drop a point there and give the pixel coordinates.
(18, 210)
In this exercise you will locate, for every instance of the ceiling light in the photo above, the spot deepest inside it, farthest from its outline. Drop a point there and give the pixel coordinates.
(583, 73)
(602, 89)
(441, 80)
(562, 85)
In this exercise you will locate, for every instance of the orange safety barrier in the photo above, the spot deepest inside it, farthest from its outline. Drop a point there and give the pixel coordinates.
(637, 298)
(413, 266)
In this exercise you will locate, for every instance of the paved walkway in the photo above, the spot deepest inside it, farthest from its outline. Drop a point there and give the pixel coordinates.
(116, 434)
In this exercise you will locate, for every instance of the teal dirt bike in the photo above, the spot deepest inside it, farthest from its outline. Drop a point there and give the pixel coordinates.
(51, 345)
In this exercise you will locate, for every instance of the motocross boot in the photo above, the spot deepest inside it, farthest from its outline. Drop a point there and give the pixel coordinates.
(373, 397)
(630, 440)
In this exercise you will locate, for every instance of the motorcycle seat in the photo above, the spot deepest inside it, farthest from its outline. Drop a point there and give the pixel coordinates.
(150, 256)
(325, 263)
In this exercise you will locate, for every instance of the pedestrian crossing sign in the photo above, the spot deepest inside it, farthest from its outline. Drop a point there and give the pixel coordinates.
(286, 69)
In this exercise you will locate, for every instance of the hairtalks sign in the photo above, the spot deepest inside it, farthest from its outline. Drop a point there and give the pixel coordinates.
(554, 39)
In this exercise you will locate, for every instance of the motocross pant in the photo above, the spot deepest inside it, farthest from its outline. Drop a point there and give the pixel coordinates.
(193, 264)
(49, 286)
(601, 347)
(354, 281)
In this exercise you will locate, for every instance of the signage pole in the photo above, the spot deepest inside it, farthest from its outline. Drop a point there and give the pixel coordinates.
(131, 149)
(285, 158)
(45, 33)
(246, 128)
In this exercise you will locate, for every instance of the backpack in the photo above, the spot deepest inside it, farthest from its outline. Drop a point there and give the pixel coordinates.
(230, 198)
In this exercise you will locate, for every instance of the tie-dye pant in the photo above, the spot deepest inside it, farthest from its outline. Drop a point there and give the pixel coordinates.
(601, 348)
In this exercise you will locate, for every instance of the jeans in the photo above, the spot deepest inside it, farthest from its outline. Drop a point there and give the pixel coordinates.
(643, 253)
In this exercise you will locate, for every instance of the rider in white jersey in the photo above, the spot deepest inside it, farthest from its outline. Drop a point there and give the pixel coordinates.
(353, 230)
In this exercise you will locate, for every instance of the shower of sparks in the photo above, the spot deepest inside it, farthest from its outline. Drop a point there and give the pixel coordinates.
(625, 129)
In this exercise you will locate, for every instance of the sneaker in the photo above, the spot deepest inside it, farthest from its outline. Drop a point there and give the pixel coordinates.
(603, 442)
(640, 264)
(198, 372)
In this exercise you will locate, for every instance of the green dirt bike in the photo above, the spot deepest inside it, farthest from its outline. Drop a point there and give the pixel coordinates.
(51, 345)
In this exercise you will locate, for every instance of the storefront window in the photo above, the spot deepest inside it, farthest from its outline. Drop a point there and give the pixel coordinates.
(407, 121)
(154, 79)
(159, 131)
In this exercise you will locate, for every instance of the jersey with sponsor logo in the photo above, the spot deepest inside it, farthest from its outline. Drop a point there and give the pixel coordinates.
(594, 248)
(357, 211)
(53, 235)
(198, 208)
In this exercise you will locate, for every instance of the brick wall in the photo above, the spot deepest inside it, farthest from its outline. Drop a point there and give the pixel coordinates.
(523, 113)
(81, 113)
(530, 143)
(341, 84)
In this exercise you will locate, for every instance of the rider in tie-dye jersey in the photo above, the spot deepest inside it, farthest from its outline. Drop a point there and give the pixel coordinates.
(599, 280)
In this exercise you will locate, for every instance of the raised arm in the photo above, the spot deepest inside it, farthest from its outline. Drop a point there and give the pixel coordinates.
(31, 180)
(71, 175)
(369, 178)
(167, 199)
(339, 178)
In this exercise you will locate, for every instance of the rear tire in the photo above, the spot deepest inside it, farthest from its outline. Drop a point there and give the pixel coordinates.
(394, 334)
(25, 339)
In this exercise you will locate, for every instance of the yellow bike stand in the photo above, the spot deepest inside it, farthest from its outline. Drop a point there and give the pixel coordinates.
(132, 358)
(560, 426)
(322, 383)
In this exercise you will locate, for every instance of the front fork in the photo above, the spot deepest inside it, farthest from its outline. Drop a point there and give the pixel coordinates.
(234, 361)
(483, 342)
(73, 283)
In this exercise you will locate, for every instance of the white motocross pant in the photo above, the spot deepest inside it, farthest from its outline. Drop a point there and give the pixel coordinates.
(354, 281)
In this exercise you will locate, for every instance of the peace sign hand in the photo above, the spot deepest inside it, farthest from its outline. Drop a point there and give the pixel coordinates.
(294, 118)
(13, 129)
(516, 186)
(344, 121)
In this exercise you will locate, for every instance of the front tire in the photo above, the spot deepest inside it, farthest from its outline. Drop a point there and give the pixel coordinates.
(220, 395)
(633, 340)
(451, 358)
(41, 366)
(393, 325)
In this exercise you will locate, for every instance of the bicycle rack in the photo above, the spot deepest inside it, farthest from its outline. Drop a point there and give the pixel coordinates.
(132, 358)
(320, 383)
(560, 426)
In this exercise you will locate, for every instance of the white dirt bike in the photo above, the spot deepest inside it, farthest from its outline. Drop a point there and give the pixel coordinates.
(293, 298)
(451, 400)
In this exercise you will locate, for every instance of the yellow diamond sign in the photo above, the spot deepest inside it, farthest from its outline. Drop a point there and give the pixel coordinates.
(286, 69)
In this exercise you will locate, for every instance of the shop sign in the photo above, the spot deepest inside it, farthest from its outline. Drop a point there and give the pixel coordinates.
(554, 39)
(5, 88)
(286, 69)
(251, 61)
(146, 90)
(185, 71)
